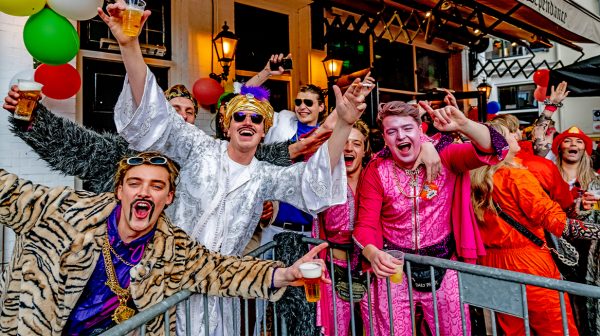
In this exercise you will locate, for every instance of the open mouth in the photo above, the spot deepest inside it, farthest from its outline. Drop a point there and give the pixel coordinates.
(348, 160)
(142, 209)
(404, 147)
(246, 132)
(573, 151)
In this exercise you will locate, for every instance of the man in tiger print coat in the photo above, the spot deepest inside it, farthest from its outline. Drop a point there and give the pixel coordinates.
(71, 244)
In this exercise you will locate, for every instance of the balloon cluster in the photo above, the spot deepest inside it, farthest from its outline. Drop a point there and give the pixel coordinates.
(541, 78)
(52, 40)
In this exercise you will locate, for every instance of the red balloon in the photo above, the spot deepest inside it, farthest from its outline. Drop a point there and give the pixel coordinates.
(541, 77)
(60, 81)
(540, 93)
(207, 91)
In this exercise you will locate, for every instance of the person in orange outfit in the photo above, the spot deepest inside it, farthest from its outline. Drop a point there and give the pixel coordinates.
(519, 194)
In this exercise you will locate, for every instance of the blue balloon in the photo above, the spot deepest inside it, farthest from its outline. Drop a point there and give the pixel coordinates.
(493, 107)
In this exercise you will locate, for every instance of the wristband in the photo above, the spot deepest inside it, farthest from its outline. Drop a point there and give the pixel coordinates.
(273, 278)
(547, 102)
(550, 108)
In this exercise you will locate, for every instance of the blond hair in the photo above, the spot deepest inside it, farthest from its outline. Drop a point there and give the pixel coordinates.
(585, 173)
(482, 179)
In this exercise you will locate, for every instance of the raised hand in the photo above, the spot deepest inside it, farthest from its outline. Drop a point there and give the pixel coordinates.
(114, 21)
(309, 144)
(450, 99)
(447, 118)
(351, 104)
(558, 95)
(275, 59)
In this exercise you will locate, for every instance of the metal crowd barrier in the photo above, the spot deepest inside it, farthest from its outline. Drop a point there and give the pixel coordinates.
(509, 296)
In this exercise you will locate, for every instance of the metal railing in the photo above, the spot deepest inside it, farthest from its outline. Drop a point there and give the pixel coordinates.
(496, 290)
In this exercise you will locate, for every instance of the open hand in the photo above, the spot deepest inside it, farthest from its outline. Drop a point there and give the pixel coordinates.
(351, 104)
(447, 118)
(309, 144)
(114, 21)
(558, 95)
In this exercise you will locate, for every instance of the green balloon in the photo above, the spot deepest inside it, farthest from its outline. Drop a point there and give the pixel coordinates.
(50, 38)
(21, 7)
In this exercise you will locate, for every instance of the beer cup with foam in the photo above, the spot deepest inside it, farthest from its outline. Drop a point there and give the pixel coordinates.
(29, 94)
(132, 17)
(397, 277)
(311, 272)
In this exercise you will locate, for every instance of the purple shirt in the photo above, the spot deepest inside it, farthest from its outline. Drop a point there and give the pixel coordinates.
(93, 312)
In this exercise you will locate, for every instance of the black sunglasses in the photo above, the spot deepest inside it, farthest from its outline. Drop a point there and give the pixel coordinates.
(155, 160)
(307, 102)
(255, 117)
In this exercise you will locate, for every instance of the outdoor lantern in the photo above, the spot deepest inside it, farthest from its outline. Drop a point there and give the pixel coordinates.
(333, 67)
(485, 87)
(225, 43)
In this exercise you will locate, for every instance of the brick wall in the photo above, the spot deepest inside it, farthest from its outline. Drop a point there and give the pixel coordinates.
(15, 156)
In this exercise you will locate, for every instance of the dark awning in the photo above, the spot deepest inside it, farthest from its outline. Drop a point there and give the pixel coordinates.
(527, 22)
(583, 78)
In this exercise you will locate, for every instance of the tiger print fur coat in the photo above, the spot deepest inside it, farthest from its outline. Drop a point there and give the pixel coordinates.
(59, 239)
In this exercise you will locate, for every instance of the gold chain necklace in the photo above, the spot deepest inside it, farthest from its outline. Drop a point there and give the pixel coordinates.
(413, 183)
(123, 312)
(117, 255)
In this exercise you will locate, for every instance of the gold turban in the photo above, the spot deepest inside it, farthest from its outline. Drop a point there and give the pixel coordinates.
(247, 102)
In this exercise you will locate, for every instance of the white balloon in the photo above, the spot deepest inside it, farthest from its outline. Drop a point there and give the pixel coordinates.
(26, 74)
(76, 9)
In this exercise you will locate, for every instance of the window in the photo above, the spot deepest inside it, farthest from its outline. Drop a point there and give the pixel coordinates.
(517, 97)
(432, 70)
(503, 48)
(262, 33)
(353, 47)
(394, 65)
(155, 38)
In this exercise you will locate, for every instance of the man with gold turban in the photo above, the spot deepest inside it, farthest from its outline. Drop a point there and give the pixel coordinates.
(222, 185)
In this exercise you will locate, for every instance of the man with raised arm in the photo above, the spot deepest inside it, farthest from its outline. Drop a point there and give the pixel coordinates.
(84, 262)
(223, 186)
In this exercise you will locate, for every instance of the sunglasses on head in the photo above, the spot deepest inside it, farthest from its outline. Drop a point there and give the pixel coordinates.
(255, 117)
(307, 102)
(138, 160)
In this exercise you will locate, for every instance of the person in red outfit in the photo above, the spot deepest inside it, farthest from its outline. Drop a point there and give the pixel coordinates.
(519, 194)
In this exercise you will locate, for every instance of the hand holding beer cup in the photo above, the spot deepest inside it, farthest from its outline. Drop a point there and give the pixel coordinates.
(311, 272)
(125, 18)
(292, 276)
(383, 264)
(29, 94)
(399, 271)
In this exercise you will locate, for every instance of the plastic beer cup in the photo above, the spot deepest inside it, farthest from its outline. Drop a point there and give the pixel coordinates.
(596, 193)
(311, 272)
(29, 94)
(397, 277)
(132, 17)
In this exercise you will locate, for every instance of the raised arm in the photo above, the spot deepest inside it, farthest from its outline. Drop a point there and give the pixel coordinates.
(129, 45)
(350, 107)
(22, 202)
(266, 72)
(72, 149)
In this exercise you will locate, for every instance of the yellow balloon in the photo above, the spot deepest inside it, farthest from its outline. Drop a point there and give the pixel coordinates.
(21, 7)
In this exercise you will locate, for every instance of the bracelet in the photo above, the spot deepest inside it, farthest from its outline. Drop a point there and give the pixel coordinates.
(273, 278)
(547, 102)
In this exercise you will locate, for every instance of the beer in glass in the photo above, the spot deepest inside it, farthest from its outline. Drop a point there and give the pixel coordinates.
(311, 272)
(29, 94)
(132, 17)
(397, 277)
